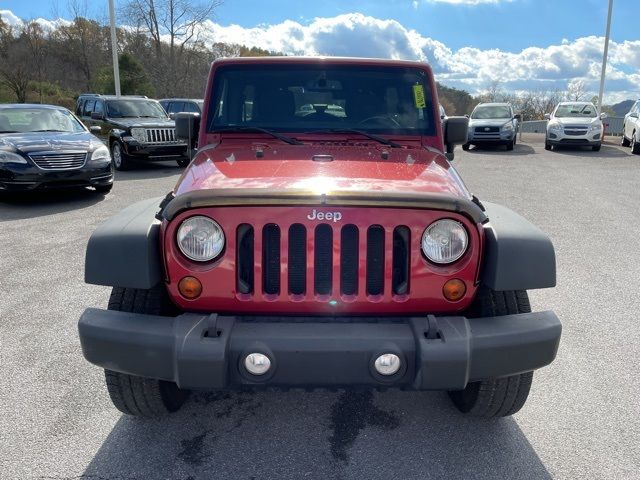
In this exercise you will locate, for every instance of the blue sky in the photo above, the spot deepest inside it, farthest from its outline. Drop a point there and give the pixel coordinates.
(471, 43)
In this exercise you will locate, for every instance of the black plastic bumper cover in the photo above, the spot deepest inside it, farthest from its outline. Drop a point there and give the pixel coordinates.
(206, 352)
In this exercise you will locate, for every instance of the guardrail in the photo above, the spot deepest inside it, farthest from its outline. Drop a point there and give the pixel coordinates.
(612, 126)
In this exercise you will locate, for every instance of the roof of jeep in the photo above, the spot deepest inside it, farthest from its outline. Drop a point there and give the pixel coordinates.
(320, 60)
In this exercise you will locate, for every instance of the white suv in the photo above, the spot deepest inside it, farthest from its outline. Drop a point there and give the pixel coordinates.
(575, 124)
(631, 129)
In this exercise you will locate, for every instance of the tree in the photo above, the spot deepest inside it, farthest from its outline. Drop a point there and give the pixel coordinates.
(133, 78)
(576, 91)
(172, 25)
(15, 68)
(38, 47)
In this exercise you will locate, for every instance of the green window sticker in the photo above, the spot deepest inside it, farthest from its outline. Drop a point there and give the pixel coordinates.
(418, 96)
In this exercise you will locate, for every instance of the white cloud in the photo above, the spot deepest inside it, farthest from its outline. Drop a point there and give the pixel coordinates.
(355, 34)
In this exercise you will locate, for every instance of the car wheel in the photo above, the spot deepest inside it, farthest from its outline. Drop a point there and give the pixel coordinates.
(495, 397)
(596, 148)
(183, 162)
(465, 146)
(139, 396)
(103, 188)
(624, 141)
(635, 145)
(511, 144)
(119, 158)
(547, 145)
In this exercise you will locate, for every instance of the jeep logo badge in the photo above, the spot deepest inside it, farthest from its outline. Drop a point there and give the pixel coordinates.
(315, 215)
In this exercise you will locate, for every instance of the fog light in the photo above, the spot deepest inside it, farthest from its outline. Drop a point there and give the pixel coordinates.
(454, 289)
(257, 363)
(190, 287)
(387, 364)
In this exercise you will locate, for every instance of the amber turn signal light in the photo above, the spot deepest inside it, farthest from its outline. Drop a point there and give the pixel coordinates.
(454, 289)
(190, 287)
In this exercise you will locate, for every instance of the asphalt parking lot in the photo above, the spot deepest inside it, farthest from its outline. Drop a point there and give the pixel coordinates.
(582, 419)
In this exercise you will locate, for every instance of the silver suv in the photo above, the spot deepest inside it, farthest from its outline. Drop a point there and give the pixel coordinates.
(492, 124)
(631, 129)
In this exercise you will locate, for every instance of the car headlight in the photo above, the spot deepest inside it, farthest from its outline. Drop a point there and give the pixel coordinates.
(555, 126)
(139, 134)
(445, 241)
(507, 127)
(200, 238)
(10, 157)
(101, 155)
(595, 127)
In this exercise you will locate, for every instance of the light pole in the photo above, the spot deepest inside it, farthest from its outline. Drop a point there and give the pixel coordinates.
(114, 47)
(604, 57)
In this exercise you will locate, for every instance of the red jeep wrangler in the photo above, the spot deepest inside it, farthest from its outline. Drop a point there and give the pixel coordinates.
(319, 238)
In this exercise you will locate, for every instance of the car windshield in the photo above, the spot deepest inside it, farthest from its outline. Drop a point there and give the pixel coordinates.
(576, 110)
(135, 108)
(491, 111)
(323, 98)
(24, 120)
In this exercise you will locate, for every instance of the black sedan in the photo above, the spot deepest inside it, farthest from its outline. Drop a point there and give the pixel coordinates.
(44, 146)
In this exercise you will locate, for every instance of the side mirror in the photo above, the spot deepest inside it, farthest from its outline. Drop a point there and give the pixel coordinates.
(455, 133)
(467, 116)
(603, 115)
(172, 116)
(547, 116)
(518, 117)
(187, 127)
(95, 129)
(97, 116)
(633, 115)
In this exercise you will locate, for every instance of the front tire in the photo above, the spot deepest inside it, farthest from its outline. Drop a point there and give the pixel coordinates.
(547, 145)
(495, 397)
(625, 142)
(596, 148)
(120, 159)
(139, 396)
(511, 145)
(635, 145)
(465, 146)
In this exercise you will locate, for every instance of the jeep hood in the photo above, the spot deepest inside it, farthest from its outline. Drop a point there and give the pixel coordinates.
(322, 170)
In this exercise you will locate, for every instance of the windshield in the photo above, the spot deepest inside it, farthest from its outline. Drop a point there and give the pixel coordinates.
(576, 110)
(24, 120)
(491, 111)
(135, 109)
(306, 98)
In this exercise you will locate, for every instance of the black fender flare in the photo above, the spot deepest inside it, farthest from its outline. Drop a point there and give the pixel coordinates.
(125, 250)
(518, 255)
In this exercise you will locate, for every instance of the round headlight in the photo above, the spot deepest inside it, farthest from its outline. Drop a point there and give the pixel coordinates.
(200, 238)
(444, 241)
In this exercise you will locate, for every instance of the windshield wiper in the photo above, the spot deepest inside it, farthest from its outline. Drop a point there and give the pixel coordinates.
(284, 138)
(148, 116)
(9, 131)
(360, 132)
(48, 130)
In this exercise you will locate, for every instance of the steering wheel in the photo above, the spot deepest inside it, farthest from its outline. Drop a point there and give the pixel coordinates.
(384, 120)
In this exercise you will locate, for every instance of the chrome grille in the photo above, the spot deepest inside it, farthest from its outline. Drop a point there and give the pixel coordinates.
(160, 135)
(576, 130)
(59, 160)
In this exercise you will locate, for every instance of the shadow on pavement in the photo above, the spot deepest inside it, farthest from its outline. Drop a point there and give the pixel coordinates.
(607, 151)
(519, 149)
(40, 203)
(139, 170)
(280, 435)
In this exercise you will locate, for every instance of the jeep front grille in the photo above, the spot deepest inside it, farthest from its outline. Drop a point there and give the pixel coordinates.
(59, 160)
(160, 135)
(321, 241)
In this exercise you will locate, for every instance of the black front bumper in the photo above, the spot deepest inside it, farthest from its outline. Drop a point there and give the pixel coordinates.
(207, 351)
(154, 152)
(30, 177)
